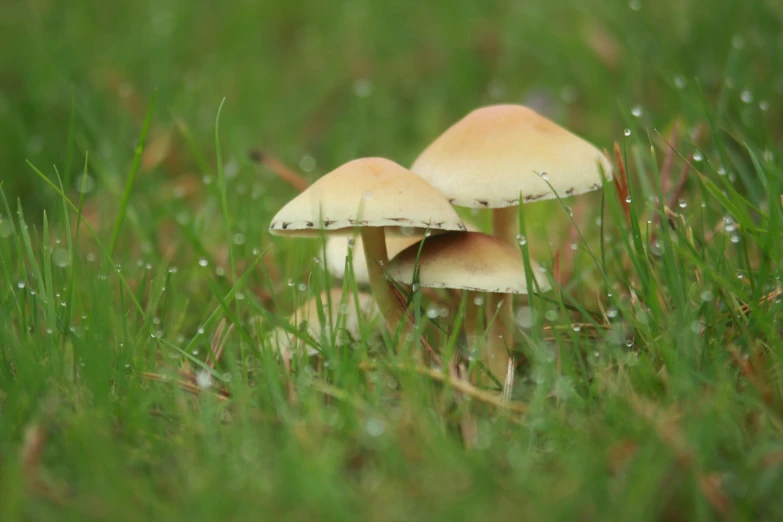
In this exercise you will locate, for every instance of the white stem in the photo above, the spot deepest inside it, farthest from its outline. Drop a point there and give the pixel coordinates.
(374, 240)
(504, 226)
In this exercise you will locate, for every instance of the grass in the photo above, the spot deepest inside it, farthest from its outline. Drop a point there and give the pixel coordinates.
(653, 386)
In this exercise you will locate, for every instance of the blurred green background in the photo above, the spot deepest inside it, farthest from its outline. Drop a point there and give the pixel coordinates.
(318, 83)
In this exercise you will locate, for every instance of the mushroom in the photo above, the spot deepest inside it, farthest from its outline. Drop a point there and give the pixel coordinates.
(396, 241)
(337, 252)
(350, 328)
(498, 154)
(469, 261)
(368, 193)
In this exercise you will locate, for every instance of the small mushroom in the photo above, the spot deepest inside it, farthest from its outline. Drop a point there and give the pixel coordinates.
(369, 193)
(469, 261)
(497, 154)
(353, 317)
(397, 240)
(337, 253)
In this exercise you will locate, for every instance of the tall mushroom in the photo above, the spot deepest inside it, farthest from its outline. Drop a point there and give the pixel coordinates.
(497, 154)
(368, 193)
(469, 261)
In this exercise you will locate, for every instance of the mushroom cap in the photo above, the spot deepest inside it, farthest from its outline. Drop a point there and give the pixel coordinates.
(308, 312)
(467, 261)
(337, 251)
(367, 192)
(493, 154)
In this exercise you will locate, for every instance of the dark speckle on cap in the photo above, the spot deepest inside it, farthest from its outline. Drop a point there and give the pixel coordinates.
(595, 186)
(328, 222)
(285, 225)
(309, 224)
(482, 202)
(570, 191)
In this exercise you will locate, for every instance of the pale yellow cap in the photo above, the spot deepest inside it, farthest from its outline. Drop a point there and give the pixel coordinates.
(467, 261)
(495, 153)
(368, 192)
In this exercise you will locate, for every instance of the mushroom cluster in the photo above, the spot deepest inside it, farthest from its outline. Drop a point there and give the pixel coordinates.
(497, 157)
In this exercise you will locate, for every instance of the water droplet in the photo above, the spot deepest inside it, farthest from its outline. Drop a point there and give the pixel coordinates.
(374, 427)
(764, 105)
(302, 287)
(415, 287)
(478, 300)
(220, 271)
(627, 132)
(697, 155)
(432, 312)
(637, 111)
(6, 228)
(574, 246)
(200, 330)
(203, 262)
(735, 238)
(239, 238)
(307, 163)
(629, 343)
(84, 184)
(628, 199)
(721, 171)
(20, 285)
(682, 203)
(707, 295)
(522, 240)
(207, 180)
(172, 270)
(635, 5)
(746, 96)
(551, 315)
(679, 81)
(544, 176)
(363, 87)
(576, 327)
(611, 312)
(596, 355)
(204, 380)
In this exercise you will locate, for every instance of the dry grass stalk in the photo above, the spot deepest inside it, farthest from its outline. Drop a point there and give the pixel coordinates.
(279, 168)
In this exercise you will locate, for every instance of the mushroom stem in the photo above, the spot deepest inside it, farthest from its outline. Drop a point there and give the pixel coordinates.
(500, 333)
(374, 240)
(470, 323)
(504, 226)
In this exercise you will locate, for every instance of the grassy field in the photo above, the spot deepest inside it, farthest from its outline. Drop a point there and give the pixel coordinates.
(134, 239)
